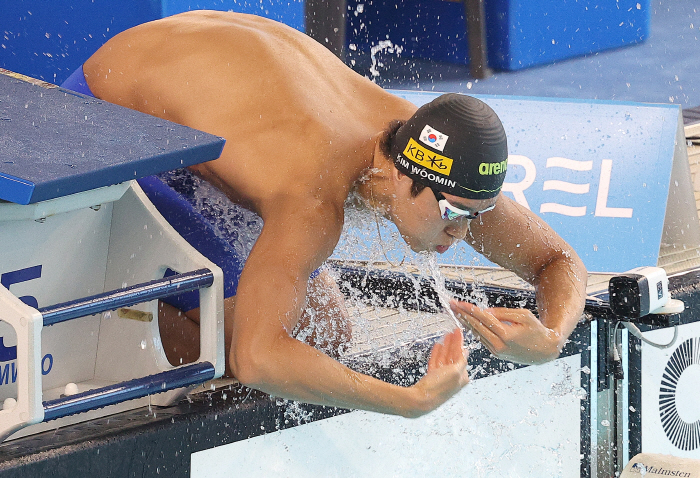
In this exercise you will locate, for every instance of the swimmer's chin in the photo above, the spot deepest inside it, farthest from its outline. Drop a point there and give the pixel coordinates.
(426, 247)
(439, 249)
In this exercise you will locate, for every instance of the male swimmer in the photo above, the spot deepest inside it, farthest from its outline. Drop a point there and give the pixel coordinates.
(303, 132)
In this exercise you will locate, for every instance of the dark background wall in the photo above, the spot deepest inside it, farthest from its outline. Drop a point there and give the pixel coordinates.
(49, 39)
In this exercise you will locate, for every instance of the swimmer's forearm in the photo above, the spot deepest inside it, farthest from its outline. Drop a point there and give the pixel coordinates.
(561, 294)
(299, 372)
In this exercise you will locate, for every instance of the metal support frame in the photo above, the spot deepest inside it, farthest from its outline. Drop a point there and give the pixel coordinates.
(120, 392)
(326, 23)
(127, 296)
(476, 30)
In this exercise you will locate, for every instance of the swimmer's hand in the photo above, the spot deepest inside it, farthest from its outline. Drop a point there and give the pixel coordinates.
(447, 374)
(510, 334)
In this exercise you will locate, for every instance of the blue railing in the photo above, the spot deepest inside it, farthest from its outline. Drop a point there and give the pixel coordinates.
(128, 296)
(131, 389)
(139, 387)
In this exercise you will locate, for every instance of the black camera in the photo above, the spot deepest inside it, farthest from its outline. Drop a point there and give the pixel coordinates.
(641, 292)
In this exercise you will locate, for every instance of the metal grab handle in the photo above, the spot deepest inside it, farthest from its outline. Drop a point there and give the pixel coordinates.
(128, 296)
(129, 390)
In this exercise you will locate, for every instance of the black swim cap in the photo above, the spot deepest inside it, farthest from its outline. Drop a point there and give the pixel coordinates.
(454, 144)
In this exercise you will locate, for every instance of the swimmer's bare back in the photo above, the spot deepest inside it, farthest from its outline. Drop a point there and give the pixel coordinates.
(300, 129)
(296, 120)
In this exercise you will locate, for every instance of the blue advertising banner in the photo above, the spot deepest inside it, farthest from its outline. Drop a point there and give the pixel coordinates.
(598, 172)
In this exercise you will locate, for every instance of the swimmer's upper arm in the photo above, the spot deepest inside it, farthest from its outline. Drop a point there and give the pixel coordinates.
(272, 287)
(302, 234)
(516, 239)
(513, 237)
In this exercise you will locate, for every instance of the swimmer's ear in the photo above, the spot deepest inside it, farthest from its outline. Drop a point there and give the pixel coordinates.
(396, 174)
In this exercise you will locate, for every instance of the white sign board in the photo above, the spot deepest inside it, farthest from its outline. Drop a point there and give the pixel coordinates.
(671, 393)
(523, 423)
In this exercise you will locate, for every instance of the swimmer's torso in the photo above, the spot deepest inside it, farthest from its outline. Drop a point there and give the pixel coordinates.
(299, 125)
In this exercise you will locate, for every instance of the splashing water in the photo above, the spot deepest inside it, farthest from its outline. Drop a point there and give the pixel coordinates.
(384, 45)
(375, 327)
(360, 239)
(443, 296)
(295, 412)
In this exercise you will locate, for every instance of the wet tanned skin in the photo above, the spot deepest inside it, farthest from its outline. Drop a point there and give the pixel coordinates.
(301, 129)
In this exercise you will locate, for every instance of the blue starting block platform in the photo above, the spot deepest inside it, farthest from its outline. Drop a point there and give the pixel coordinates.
(83, 254)
(56, 142)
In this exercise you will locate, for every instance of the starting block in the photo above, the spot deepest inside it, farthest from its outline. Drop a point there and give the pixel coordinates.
(83, 254)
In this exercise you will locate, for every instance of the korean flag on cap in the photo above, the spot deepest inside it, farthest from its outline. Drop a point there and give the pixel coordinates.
(433, 138)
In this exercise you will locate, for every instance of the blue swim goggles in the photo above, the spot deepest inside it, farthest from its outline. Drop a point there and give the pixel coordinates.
(449, 213)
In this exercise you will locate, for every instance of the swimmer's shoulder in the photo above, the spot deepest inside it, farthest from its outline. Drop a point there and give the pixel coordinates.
(308, 218)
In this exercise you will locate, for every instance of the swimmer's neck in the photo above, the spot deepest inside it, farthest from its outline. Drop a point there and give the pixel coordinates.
(369, 190)
(373, 190)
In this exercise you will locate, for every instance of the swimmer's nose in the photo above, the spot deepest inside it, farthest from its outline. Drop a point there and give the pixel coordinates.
(457, 229)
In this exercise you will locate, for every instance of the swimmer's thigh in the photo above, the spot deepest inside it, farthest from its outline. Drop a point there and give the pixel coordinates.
(325, 322)
(179, 331)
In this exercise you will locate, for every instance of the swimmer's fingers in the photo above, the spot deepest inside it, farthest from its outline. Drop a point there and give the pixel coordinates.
(510, 317)
(439, 356)
(528, 339)
(490, 340)
(449, 350)
(493, 337)
(480, 321)
(436, 356)
(455, 347)
(447, 374)
(511, 334)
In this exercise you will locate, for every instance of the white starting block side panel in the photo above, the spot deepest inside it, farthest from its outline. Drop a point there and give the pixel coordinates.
(44, 263)
(523, 423)
(142, 246)
(671, 393)
(83, 252)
